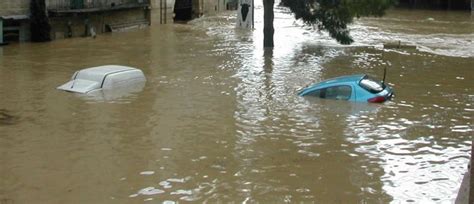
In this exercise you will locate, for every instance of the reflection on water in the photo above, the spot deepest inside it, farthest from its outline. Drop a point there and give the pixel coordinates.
(6, 118)
(125, 93)
(219, 118)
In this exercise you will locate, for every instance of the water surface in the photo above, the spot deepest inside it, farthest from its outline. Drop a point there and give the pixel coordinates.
(219, 118)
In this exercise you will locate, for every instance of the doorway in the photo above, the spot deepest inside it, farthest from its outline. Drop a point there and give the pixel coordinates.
(183, 10)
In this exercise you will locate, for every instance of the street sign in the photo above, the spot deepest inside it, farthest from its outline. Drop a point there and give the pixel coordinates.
(245, 14)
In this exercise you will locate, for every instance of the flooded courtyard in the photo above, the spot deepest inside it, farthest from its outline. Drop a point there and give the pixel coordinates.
(219, 119)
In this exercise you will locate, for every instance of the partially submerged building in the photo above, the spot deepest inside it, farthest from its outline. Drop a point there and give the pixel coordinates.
(14, 20)
(73, 18)
(170, 11)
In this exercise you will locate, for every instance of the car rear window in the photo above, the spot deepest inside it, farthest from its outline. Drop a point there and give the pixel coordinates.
(371, 85)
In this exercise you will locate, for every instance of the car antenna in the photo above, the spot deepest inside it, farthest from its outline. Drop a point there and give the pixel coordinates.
(384, 71)
(384, 74)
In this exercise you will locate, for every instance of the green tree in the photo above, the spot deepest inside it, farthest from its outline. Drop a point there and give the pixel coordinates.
(329, 15)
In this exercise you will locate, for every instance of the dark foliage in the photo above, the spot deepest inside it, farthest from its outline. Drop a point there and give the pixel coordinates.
(40, 27)
(334, 15)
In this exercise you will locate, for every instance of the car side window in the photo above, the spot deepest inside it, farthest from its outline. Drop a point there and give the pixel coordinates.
(337, 92)
(316, 93)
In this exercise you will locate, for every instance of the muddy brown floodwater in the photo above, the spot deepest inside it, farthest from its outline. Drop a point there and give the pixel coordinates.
(219, 118)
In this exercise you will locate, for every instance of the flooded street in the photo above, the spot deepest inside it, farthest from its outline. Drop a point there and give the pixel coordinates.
(220, 120)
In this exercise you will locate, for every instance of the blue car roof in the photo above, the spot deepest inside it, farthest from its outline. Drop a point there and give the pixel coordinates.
(363, 92)
(342, 79)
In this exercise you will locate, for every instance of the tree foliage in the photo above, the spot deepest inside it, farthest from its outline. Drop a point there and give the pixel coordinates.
(334, 15)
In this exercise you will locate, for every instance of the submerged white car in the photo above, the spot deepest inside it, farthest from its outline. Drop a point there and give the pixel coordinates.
(103, 78)
(106, 82)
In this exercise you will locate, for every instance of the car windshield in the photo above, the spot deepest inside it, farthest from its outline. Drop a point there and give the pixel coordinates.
(371, 85)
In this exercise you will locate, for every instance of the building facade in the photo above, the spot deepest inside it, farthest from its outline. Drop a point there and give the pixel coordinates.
(169, 11)
(162, 11)
(74, 18)
(14, 20)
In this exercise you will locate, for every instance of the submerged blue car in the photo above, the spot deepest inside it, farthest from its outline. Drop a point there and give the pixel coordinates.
(359, 88)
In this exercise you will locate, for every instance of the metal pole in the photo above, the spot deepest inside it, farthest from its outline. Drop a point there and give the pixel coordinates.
(1, 31)
(253, 14)
(161, 11)
(471, 173)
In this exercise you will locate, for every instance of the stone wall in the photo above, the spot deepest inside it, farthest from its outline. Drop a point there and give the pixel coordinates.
(162, 11)
(208, 7)
(98, 21)
(212, 7)
(14, 7)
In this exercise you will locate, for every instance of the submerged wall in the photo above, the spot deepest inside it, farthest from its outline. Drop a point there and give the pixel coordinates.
(211, 7)
(14, 7)
(17, 28)
(162, 11)
(75, 25)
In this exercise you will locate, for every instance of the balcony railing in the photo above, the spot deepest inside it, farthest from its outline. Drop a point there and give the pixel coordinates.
(93, 5)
